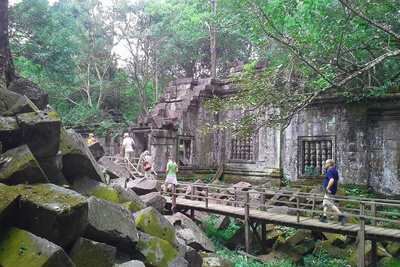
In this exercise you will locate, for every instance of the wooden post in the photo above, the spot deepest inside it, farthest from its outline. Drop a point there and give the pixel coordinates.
(173, 201)
(313, 207)
(246, 221)
(193, 191)
(234, 196)
(298, 209)
(263, 224)
(361, 238)
(373, 242)
(207, 196)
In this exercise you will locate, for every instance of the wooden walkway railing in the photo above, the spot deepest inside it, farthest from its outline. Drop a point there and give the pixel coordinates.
(371, 214)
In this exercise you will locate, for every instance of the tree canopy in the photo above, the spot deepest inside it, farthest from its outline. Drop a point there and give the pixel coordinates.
(312, 48)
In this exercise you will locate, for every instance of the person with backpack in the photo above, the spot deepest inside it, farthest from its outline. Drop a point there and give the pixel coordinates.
(172, 169)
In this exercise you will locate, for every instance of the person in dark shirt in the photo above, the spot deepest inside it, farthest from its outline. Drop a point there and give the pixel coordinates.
(330, 186)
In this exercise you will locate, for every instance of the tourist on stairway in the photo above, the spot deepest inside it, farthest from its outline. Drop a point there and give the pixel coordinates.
(331, 185)
(128, 146)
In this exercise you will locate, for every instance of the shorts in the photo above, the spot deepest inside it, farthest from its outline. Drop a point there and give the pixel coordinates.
(328, 202)
(128, 155)
(171, 179)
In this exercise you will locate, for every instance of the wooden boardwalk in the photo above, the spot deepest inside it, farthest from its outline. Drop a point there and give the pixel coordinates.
(371, 232)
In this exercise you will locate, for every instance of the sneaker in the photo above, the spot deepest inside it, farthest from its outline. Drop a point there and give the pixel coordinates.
(342, 219)
(323, 219)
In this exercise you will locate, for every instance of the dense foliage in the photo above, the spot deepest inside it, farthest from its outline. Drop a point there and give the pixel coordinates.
(312, 48)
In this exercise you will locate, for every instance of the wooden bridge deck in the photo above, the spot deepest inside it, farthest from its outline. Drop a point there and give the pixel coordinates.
(371, 232)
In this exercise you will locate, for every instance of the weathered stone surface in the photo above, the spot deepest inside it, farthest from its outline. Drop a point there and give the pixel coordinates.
(393, 248)
(284, 254)
(97, 150)
(132, 263)
(38, 95)
(9, 198)
(77, 159)
(155, 200)
(113, 169)
(10, 134)
(13, 103)
(193, 257)
(214, 260)
(241, 186)
(52, 212)
(20, 167)
(158, 252)
(238, 239)
(305, 247)
(151, 222)
(223, 222)
(330, 249)
(336, 239)
(280, 242)
(88, 253)
(298, 237)
(190, 232)
(196, 190)
(110, 224)
(21, 248)
(41, 132)
(273, 235)
(144, 186)
(52, 166)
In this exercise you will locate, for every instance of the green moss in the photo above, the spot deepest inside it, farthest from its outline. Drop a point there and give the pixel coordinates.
(8, 195)
(133, 207)
(60, 197)
(19, 248)
(53, 115)
(158, 252)
(106, 194)
(148, 223)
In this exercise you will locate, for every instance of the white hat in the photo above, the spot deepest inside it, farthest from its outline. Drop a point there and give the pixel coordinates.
(126, 134)
(91, 134)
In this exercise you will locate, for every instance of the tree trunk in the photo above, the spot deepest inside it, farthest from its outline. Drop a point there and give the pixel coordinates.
(213, 43)
(7, 71)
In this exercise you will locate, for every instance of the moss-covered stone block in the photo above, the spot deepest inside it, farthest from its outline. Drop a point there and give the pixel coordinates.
(280, 242)
(20, 166)
(158, 252)
(52, 212)
(368, 255)
(336, 239)
(9, 198)
(10, 134)
(150, 221)
(305, 246)
(87, 253)
(133, 206)
(299, 236)
(388, 262)
(330, 249)
(271, 236)
(19, 248)
(393, 248)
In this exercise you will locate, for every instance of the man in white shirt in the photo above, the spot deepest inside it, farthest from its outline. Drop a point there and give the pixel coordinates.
(128, 145)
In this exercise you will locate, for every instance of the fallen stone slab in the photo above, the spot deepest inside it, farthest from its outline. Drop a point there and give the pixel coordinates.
(38, 95)
(10, 134)
(298, 237)
(87, 252)
(132, 263)
(239, 187)
(155, 200)
(114, 169)
(97, 150)
(282, 255)
(152, 222)
(111, 224)
(77, 158)
(144, 186)
(223, 222)
(188, 230)
(52, 166)
(52, 212)
(41, 132)
(214, 260)
(158, 252)
(21, 248)
(20, 166)
(331, 250)
(9, 201)
(193, 258)
(13, 103)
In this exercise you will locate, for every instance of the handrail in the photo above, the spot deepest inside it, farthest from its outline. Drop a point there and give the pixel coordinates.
(238, 196)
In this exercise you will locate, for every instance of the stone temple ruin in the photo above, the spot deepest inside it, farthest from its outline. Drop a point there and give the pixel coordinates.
(362, 138)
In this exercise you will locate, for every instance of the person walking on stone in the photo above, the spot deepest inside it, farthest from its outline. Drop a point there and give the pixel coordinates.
(172, 169)
(128, 146)
(91, 139)
(147, 164)
(331, 184)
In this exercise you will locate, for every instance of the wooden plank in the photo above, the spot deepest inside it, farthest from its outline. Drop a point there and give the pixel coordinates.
(219, 172)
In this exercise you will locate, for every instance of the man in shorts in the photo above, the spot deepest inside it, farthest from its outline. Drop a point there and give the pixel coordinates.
(128, 145)
(331, 185)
